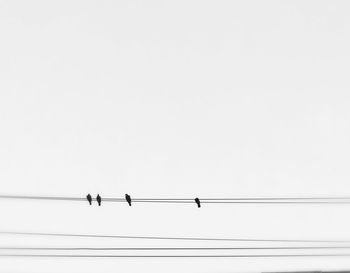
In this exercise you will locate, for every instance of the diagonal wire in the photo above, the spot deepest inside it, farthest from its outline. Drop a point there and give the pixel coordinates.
(173, 248)
(170, 238)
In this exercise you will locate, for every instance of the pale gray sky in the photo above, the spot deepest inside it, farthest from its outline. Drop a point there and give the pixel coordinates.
(174, 99)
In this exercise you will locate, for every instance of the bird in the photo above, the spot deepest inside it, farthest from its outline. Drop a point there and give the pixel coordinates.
(98, 199)
(128, 199)
(198, 202)
(89, 198)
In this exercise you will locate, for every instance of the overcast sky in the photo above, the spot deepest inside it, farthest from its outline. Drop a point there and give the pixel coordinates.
(174, 99)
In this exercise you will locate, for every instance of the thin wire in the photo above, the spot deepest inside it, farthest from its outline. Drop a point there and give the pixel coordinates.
(172, 248)
(169, 238)
(173, 256)
(174, 199)
(59, 198)
(280, 200)
(229, 202)
(241, 199)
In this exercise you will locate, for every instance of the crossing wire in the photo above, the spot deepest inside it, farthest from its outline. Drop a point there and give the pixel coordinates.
(171, 248)
(173, 256)
(169, 238)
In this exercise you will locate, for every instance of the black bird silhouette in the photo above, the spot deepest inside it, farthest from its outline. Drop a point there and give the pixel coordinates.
(98, 199)
(128, 199)
(89, 198)
(198, 202)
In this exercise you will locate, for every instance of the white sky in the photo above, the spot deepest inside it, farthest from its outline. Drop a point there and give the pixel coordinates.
(174, 99)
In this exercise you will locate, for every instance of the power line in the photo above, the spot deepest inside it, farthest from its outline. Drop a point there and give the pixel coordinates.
(253, 200)
(177, 199)
(172, 248)
(57, 198)
(239, 202)
(173, 256)
(170, 238)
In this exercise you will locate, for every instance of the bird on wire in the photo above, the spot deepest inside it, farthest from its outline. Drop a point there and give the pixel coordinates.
(89, 198)
(99, 199)
(198, 202)
(128, 199)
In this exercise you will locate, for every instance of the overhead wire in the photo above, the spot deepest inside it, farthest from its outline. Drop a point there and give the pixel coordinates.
(173, 256)
(252, 200)
(172, 248)
(169, 238)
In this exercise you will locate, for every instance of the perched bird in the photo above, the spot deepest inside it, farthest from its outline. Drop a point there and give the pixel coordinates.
(198, 202)
(128, 199)
(98, 199)
(89, 198)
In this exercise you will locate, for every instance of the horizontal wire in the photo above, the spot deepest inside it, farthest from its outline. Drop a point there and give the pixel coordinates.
(230, 202)
(173, 199)
(280, 200)
(231, 199)
(242, 199)
(240, 202)
(175, 248)
(43, 197)
(173, 256)
(170, 238)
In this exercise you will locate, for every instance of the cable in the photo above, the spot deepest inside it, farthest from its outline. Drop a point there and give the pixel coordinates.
(257, 200)
(172, 248)
(170, 238)
(59, 198)
(173, 199)
(227, 201)
(173, 256)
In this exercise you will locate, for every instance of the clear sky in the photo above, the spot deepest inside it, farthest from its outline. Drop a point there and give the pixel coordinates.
(174, 99)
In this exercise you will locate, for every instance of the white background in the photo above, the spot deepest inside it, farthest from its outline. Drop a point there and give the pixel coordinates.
(174, 99)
